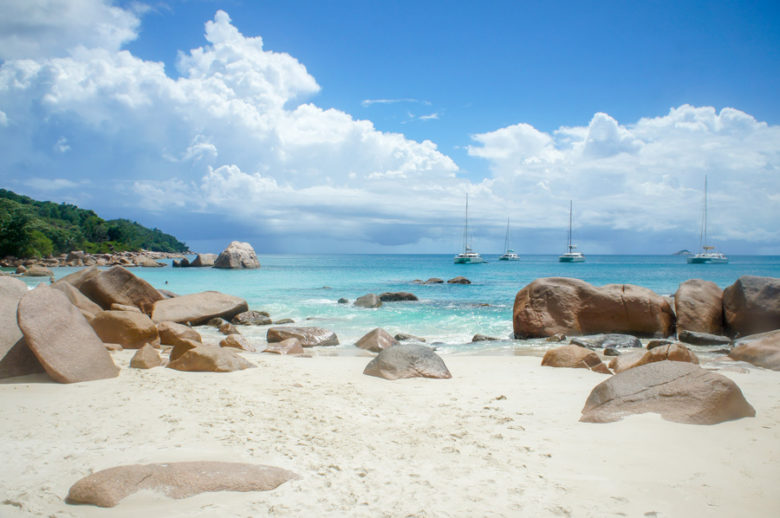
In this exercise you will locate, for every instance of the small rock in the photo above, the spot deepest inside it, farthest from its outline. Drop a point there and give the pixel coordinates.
(370, 300)
(146, 357)
(459, 280)
(402, 337)
(483, 338)
(376, 340)
(209, 359)
(252, 318)
(397, 296)
(237, 341)
(289, 346)
(407, 361)
(695, 338)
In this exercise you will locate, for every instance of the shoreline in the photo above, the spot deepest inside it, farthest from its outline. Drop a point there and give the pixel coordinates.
(500, 438)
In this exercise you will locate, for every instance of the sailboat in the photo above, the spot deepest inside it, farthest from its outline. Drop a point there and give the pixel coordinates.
(468, 256)
(571, 256)
(708, 255)
(509, 254)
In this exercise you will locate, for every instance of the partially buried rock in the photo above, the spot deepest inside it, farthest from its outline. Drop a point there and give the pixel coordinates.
(397, 296)
(694, 338)
(673, 352)
(198, 308)
(146, 357)
(16, 359)
(228, 329)
(62, 339)
(252, 318)
(369, 300)
(108, 487)
(289, 346)
(679, 392)
(574, 356)
(129, 329)
(210, 359)
(404, 337)
(236, 341)
(237, 255)
(407, 361)
(308, 336)
(483, 338)
(376, 340)
(459, 280)
(762, 350)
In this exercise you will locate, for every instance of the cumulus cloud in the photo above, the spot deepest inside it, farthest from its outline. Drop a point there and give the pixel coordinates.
(647, 176)
(46, 28)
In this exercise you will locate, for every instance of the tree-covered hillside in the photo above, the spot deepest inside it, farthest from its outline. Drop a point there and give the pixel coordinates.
(30, 228)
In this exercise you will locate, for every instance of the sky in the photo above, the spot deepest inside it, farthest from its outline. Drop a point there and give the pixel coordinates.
(362, 126)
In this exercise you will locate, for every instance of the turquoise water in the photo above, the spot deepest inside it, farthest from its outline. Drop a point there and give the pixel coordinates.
(306, 288)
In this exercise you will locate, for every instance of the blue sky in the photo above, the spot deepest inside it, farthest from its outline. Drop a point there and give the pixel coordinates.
(361, 126)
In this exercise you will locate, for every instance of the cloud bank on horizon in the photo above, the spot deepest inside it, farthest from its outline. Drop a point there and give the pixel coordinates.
(233, 138)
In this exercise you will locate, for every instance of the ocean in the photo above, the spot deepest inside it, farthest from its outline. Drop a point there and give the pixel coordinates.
(306, 288)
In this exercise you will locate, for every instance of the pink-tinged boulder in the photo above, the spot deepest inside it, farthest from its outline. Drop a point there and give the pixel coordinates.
(236, 341)
(574, 356)
(237, 255)
(16, 359)
(289, 346)
(198, 308)
(308, 336)
(762, 350)
(679, 392)
(62, 339)
(146, 357)
(210, 359)
(88, 308)
(129, 329)
(376, 340)
(115, 285)
(752, 305)
(675, 352)
(172, 333)
(177, 480)
(699, 307)
(573, 307)
(407, 361)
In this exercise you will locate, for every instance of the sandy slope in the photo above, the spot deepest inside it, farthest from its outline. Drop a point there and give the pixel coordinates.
(501, 438)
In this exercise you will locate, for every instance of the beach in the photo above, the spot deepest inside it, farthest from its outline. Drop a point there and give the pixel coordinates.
(501, 438)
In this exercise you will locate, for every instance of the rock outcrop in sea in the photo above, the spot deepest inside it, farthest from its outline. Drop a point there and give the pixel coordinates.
(237, 255)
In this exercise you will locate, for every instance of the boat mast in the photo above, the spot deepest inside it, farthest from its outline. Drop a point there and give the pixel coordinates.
(704, 239)
(570, 209)
(466, 227)
(506, 238)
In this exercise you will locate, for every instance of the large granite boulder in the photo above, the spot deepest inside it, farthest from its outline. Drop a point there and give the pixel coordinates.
(699, 307)
(198, 308)
(376, 340)
(289, 346)
(36, 270)
(762, 350)
(680, 392)
(209, 359)
(407, 361)
(203, 260)
(172, 333)
(237, 255)
(574, 356)
(308, 336)
(62, 339)
(115, 285)
(574, 307)
(147, 357)
(397, 296)
(129, 329)
(752, 305)
(369, 300)
(673, 352)
(178, 480)
(16, 359)
(252, 318)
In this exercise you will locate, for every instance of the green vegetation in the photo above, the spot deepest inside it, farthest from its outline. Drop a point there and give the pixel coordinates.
(30, 228)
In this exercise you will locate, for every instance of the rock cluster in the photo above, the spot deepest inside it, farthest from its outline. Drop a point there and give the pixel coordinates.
(144, 258)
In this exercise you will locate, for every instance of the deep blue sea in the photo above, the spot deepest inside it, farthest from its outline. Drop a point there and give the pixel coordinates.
(306, 288)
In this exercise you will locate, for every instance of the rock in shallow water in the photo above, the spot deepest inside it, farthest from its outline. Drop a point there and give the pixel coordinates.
(108, 487)
(308, 336)
(679, 392)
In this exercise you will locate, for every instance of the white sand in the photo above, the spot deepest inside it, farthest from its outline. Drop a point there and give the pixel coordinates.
(501, 438)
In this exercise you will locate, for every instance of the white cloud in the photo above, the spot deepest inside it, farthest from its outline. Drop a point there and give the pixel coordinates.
(644, 177)
(46, 28)
(369, 102)
(51, 184)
